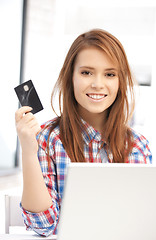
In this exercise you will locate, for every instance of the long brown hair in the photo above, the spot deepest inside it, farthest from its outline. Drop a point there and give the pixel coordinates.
(117, 133)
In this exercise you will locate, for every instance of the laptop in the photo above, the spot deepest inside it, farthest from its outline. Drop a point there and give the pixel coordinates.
(109, 202)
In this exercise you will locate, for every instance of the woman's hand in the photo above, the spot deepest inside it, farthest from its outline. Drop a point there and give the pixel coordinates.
(27, 128)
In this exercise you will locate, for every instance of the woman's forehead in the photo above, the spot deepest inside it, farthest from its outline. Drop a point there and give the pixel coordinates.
(93, 56)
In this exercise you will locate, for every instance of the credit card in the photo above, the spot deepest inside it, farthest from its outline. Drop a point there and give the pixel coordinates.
(28, 96)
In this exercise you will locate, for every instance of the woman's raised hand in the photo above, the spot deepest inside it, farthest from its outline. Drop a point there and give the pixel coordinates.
(27, 128)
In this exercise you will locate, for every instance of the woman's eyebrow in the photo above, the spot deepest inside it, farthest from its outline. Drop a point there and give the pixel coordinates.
(106, 69)
(86, 67)
(111, 69)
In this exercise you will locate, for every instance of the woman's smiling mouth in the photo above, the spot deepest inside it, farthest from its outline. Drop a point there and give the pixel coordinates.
(96, 96)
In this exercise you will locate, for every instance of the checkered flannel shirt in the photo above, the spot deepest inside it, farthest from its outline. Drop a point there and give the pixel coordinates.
(45, 223)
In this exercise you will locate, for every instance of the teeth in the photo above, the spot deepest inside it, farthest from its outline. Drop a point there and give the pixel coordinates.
(96, 96)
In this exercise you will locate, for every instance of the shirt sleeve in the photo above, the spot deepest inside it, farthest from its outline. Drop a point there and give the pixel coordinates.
(45, 223)
(141, 151)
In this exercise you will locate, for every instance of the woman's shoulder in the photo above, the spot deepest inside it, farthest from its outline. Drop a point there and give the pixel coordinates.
(50, 129)
(49, 124)
(139, 138)
(140, 147)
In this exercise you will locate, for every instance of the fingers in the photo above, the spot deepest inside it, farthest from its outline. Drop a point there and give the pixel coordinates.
(26, 123)
(20, 112)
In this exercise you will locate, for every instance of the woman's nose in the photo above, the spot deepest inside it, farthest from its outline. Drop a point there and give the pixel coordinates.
(98, 83)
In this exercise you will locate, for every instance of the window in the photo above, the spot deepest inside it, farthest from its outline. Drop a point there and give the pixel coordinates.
(10, 49)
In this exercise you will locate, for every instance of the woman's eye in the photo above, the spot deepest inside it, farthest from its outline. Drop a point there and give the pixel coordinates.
(86, 73)
(110, 75)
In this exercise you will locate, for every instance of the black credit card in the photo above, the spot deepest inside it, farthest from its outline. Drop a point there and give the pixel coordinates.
(28, 96)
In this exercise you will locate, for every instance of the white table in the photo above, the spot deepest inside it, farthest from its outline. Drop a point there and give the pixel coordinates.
(24, 237)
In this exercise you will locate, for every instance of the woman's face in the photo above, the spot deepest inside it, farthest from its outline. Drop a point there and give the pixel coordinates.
(95, 81)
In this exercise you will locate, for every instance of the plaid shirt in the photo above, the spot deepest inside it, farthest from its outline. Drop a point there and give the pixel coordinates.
(45, 223)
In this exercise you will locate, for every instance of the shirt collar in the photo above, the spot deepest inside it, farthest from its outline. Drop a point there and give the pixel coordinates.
(89, 133)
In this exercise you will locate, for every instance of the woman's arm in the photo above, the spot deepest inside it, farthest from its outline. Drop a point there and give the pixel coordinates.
(35, 196)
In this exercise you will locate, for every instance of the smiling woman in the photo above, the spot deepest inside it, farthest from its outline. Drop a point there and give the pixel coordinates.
(92, 127)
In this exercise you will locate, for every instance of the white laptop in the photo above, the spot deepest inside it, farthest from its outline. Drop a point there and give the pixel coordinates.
(109, 202)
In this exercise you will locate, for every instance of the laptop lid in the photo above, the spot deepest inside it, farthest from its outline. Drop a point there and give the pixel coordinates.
(109, 201)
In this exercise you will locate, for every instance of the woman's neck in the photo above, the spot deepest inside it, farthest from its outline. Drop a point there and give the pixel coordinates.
(97, 121)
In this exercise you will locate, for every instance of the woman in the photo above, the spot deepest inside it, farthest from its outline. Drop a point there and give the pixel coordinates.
(93, 126)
